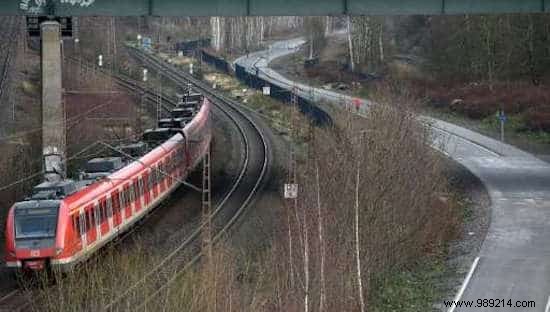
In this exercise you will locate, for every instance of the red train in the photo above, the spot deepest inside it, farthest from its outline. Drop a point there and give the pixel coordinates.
(64, 223)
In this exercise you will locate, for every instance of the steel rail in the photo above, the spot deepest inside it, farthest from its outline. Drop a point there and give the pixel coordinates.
(15, 299)
(229, 107)
(14, 23)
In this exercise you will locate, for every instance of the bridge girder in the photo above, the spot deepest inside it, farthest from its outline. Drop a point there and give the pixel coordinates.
(267, 7)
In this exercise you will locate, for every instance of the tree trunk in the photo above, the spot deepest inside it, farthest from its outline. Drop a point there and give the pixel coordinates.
(357, 242)
(321, 241)
(381, 43)
(350, 44)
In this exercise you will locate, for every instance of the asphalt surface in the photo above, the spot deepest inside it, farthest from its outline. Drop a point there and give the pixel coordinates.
(514, 261)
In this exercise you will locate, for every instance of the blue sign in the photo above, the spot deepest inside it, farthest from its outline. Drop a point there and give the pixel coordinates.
(501, 116)
(147, 42)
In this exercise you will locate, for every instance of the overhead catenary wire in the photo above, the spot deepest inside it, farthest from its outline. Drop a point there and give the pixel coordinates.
(36, 174)
(173, 254)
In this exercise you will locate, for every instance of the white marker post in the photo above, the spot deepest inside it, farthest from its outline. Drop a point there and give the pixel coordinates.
(100, 60)
(291, 191)
(144, 75)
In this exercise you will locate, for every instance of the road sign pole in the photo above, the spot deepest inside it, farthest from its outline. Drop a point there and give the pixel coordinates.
(502, 130)
(502, 119)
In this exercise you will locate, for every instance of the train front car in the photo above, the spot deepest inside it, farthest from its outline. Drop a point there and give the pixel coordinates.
(64, 223)
(31, 234)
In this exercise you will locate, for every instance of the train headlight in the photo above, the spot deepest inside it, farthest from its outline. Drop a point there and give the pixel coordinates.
(58, 251)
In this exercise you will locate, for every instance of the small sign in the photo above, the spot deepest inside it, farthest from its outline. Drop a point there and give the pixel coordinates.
(145, 75)
(33, 25)
(501, 116)
(147, 43)
(291, 191)
(266, 90)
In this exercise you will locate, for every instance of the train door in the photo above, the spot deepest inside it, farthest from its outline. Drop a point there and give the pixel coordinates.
(127, 202)
(185, 161)
(97, 218)
(117, 210)
(135, 196)
(142, 194)
(149, 182)
(161, 177)
(154, 175)
(169, 169)
(122, 204)
(110, 218)
(90, 224)
(146, 189)
(82, 228)
(103, 220)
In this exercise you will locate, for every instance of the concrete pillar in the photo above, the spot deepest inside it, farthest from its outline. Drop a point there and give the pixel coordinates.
(53, 112)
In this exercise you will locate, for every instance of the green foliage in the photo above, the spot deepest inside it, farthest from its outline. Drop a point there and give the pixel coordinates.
(516, 124)
(410, 290)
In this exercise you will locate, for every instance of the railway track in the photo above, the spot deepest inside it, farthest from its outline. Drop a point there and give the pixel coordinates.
(8, 47)
(16, 299)
(253, 175)
(257, 162)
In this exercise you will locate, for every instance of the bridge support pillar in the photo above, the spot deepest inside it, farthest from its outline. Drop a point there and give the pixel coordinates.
(53, 111)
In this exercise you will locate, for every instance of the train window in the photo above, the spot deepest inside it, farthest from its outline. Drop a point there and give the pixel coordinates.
(109, 208)
(90, 219)
(82, 224)
(132, 194)
(115, 198)
(160, 171)
(150, 180)
(97, 215)
(141, 186)
(127, 199)
(76, 225)
(102, 211)
(145, 182)
(122, 199)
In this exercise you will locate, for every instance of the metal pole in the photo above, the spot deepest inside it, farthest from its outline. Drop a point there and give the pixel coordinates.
(502, 130)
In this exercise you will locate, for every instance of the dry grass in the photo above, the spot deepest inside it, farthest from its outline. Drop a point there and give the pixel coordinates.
(404, 213)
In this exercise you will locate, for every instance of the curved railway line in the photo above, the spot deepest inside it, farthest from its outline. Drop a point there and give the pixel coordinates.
(7, 48)
(257, 163)
(252, 177)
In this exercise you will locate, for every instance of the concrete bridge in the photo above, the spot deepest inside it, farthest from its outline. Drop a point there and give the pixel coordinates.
(266, 7)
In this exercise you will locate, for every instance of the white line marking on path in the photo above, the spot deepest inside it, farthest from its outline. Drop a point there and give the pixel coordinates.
(465, 284)
(547, 305)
